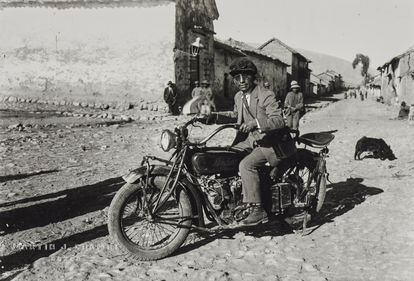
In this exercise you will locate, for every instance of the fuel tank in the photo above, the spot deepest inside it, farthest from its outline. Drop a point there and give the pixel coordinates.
(216, 161)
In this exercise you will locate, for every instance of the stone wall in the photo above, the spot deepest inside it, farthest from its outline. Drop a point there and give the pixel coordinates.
(109, 55)
(273, 73)
(193, 18)
(405, 88)
(224, 88)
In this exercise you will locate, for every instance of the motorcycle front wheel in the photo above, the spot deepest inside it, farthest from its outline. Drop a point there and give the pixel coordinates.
(148, 236)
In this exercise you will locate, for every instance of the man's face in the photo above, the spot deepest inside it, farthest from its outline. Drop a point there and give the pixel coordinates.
(245, 82)
(295, 90)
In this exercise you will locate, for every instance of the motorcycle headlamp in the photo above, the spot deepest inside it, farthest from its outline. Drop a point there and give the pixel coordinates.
(168, 140)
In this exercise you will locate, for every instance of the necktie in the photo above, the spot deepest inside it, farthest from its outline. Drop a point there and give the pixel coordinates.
(246, 105)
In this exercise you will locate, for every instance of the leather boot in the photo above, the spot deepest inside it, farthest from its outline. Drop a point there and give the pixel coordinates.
(256, 216)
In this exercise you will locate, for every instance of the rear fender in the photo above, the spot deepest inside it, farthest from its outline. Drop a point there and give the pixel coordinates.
(307, 158)
(162, 170)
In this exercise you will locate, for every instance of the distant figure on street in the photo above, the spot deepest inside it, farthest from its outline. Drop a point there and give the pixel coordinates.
(170, 97)
(404, 111)
(346, 95)
(361, 95)
(293, 106)
(197, 90)
(208, 93)
(411, 114)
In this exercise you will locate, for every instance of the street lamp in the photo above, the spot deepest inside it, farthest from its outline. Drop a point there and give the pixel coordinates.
(196, 46)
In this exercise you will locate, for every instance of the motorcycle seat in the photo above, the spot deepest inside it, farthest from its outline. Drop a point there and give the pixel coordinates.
(316, 139)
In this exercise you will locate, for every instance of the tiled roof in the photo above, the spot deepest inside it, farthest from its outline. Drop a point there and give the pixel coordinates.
(222, 45)
(410, 50)
(277, 41)
(323, 77)
(246, 48)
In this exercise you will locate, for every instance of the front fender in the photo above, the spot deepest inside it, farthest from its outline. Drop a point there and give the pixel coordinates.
(138, 173)
(195, 194)
(135, 174)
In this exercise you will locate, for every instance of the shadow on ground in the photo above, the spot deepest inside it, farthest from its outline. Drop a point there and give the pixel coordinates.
(65, 205)
(60, 206)
(28, 255)
(340, 198)
(23, 176)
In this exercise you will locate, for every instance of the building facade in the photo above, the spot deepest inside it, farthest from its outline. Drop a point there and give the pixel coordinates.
(193, 24)
(397, 78)
(271, 70)
(298, 69)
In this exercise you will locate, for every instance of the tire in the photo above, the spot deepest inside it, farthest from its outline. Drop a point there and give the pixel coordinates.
(120, 225)
(317, 182)
(320, 192)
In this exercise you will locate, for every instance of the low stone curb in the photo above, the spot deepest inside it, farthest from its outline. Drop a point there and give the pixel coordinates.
(142, 105)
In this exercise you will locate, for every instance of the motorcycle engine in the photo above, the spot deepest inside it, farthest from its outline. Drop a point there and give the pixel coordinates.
(222, 192)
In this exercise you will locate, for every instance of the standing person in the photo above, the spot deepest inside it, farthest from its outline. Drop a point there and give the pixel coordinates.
(263, 134)
(293, 106)
(170, 97)
(197, 90)
(197, 97)
(404, 111)
(207, 92)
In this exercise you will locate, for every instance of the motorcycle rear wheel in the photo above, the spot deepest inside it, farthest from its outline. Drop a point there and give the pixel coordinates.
(143, 237)
(317, 186)
(320, 191)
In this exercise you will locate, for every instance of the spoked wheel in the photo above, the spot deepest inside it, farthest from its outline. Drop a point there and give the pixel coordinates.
(312, 196)
(314, 186)
(147, 235)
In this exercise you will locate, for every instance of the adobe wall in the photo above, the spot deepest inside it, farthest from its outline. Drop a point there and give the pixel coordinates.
(274, 74)
(268, 71)
(406, 83)
(222, 85)
(94, 55)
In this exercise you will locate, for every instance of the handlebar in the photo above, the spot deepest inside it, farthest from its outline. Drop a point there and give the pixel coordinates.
(219, 129)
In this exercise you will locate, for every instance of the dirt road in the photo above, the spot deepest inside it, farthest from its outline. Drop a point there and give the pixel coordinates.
(57, 182)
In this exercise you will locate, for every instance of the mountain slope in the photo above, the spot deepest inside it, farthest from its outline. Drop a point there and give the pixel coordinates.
(321, 62)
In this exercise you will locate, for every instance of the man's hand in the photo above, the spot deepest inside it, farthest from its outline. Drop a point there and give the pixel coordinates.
(248, 127)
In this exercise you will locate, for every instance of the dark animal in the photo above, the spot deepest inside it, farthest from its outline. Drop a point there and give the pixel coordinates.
(378, 148)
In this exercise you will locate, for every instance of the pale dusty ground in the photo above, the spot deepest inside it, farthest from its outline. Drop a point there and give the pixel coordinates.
(55, 189)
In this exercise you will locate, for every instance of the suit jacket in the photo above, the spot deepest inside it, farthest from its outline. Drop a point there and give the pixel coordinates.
(295, 101)
(272, 137)
(170, 95)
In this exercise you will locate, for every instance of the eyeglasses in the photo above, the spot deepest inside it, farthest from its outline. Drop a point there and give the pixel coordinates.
(240, 78)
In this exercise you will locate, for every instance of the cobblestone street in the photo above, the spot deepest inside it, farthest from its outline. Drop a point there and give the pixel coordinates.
(59, 174)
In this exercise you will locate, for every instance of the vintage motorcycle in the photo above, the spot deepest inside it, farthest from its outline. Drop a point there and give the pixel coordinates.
(199, 188)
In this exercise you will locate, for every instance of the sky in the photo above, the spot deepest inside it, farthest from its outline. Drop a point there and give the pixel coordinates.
(380, 29)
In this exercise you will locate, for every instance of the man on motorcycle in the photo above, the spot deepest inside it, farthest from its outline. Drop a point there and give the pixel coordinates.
(263, 134)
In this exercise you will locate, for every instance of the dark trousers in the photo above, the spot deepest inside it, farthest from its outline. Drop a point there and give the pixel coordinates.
(249, 171)
(173, 109)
